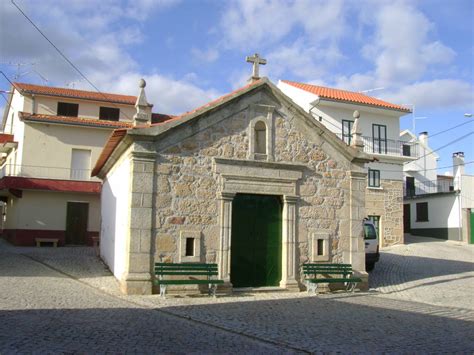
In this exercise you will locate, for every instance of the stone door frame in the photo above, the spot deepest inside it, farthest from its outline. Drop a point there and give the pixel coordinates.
(262, 178)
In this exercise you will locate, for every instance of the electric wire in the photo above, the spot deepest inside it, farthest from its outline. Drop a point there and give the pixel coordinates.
(66, 58)
(451, 128)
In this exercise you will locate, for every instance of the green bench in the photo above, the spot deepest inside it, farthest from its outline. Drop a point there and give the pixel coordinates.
(318, 273)
(186, 274)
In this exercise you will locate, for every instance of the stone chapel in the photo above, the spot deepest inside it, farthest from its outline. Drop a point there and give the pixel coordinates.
(249, 181)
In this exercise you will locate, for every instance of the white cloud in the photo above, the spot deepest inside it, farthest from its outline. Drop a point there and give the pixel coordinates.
(304, 61)
(102, 31)
(443, 93)
(168, 95)
(210, 55)
(401, 49)
(256, 23)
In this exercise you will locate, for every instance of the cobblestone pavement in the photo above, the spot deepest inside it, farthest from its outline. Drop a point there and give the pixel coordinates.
(427, 270)
(43, 310)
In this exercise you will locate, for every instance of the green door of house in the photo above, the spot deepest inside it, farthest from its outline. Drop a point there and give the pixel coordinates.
(256, 241)
(472, 227)
(76, 222)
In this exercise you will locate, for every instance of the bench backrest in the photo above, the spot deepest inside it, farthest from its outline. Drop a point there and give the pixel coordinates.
(186, 269)
(340, 269)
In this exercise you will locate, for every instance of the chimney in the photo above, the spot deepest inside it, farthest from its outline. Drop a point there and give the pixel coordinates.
(423, 138)
(143, 114)
(458, 169)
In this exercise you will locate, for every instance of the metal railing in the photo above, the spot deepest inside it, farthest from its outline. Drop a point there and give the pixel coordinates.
(427, 187)
(45, 172)
(387, 146)
(390, 147)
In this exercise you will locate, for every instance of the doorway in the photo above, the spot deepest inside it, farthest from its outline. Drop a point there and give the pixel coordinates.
(406, 218)
(256, 244)
(76, 222)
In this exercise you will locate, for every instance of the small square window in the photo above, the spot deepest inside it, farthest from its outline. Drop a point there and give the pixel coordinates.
(320, 247)
(68, 109)
(422, 212)
(374, 178)
(189, 247)
(109, 113)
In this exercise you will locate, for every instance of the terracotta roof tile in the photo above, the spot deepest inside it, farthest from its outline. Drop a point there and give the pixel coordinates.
(78, 121)
(112, 142)
(345, 96)
(6, 138)
(161, 117)
(76, 94)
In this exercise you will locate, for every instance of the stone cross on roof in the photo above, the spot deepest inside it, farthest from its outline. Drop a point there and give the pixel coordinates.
(256, 60)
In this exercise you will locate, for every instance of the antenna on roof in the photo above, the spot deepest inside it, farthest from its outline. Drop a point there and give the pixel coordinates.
(370, 90)
(19, 74)
(73, 83)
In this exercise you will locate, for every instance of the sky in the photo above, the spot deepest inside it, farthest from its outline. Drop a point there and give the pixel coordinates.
(415, 53)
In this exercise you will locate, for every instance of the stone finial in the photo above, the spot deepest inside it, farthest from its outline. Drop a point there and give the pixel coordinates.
(143, 114)
(256, 60)
(356, 134)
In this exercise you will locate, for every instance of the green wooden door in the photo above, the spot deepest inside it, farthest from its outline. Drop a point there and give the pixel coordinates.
(256, 241)
(472, 227)
(76, 222)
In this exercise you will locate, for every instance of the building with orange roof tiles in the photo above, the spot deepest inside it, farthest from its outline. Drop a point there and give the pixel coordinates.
(378, 125)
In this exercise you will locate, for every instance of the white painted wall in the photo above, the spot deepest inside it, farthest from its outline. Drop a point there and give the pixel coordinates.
(423, 169)
(467, 191)
(52, 145)
(443, 211)
(333, 113)
(47, 210)
(388, 171)
(115, 211)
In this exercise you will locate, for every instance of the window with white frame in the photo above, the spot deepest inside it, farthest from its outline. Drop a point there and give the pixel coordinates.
(80, 164)
(374, 178)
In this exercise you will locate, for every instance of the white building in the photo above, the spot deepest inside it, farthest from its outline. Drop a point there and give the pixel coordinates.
(379, 124)
(51, 137)
(437, 206)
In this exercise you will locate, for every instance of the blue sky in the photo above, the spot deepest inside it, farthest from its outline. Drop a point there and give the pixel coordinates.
(420, 52)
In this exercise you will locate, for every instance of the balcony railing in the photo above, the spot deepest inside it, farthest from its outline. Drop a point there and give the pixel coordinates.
(387, 146)
(427, 187)
(45, 172)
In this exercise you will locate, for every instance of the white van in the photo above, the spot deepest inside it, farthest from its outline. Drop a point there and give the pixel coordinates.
(371, 240)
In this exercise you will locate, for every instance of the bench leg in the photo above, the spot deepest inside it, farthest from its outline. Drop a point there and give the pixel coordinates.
(212, 290)
(163, 291)
(350, 287)
(312, 288)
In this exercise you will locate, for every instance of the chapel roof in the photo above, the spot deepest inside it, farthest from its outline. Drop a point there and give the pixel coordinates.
(345, 96)
(118, 135)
